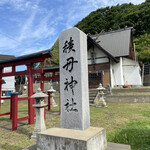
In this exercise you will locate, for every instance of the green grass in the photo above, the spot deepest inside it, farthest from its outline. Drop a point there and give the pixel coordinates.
(124, 123)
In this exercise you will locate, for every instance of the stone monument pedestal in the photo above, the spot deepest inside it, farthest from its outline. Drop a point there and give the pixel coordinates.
(70, 139)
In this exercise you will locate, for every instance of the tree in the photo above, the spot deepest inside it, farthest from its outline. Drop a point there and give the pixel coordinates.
(143, 47)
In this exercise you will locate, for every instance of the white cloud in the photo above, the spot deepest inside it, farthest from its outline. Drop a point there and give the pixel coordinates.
(43, 29)
(36, 23)
(26, 29)
(81, 8)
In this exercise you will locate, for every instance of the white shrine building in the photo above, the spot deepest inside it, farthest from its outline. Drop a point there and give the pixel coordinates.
(112, 60)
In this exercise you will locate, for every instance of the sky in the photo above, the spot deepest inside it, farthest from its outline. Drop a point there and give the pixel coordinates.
(29, 26)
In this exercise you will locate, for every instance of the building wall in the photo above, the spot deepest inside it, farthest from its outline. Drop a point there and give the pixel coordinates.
(100, 57)
(9, 86)
(116, 73)
(131, 72)
(99, 70)
(125, 72)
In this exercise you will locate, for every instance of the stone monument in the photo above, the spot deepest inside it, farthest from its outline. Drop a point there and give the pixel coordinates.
(75, 132)
(74, 80)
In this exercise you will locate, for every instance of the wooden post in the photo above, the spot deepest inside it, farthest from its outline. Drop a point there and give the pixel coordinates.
(30, 93)
(14, 112)
(11, 107)
(49, 101)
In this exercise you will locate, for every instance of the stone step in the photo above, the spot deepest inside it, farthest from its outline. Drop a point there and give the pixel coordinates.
(93, 92)
(92, 95)
(91, 101)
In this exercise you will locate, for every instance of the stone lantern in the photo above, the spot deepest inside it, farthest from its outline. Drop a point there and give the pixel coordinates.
(101, 101)
(39, 105)
(52, 91)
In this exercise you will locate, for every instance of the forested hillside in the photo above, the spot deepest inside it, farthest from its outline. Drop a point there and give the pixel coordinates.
(115, 17)
(111, 18)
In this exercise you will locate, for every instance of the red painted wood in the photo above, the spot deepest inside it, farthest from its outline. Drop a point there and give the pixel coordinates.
(34, 71)
(23, 118)
(14, 111)
(30, 93)
(11, 108)
(13, 73)
(23, 98)
(13, 69)
(6, 98)
(25, 62)
(8, 113)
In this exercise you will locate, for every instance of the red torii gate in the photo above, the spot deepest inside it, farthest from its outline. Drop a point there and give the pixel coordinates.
(27, 60)
(42, 78)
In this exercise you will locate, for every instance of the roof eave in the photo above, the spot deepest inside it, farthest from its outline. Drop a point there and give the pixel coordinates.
(25, 57)
(89, 39)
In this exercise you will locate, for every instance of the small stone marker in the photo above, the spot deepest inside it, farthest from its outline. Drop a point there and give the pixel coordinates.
(74, 79)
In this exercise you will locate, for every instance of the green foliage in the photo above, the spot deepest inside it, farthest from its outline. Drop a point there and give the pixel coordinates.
(55, 53)
(115, 17)
(143, 47)
(136, 133)
(54, 61)
(119, 16)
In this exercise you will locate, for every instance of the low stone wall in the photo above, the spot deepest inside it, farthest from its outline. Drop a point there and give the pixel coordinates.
(128, 99)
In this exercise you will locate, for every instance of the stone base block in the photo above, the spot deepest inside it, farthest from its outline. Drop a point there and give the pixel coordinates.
(110, 146)
(69, 139)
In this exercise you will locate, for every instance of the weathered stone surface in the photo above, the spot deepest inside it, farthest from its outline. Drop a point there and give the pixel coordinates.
(110, 146)
(69, 139)
(74, 79)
